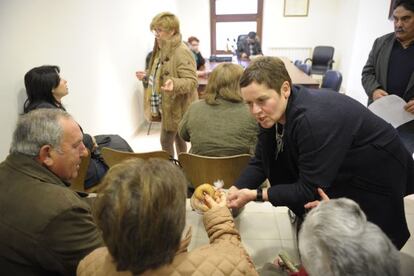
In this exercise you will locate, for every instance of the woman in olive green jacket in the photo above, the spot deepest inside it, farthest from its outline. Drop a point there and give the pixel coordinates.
(172, 80)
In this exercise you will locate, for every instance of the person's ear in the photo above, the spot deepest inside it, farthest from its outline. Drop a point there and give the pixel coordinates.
(285, 89)
(45, 156)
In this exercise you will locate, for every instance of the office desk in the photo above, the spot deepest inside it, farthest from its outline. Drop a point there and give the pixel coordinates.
(297, 76)
(265, 231)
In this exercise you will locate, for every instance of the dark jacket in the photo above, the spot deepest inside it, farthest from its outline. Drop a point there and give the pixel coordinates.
(333, 142)
(45, 228)
(244, 47)
(374, 73)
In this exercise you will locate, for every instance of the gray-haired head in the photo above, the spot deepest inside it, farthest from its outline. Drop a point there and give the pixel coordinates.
(337, 239)
(38, 128)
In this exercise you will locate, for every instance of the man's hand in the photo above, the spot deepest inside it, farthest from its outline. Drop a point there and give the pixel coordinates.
(238, 198)
(315, 203)
(168, 86)
(378, 93)
(409, 107)
(140, 75)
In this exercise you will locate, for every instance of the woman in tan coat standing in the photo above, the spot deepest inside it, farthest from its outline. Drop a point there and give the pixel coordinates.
(172, 80)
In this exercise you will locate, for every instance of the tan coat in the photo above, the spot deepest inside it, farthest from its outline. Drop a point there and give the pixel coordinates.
(224, 255)
(178, 64)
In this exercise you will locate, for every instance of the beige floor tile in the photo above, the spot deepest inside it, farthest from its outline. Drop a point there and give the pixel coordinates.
(409, 246)
(262, 251)
(285, 226)
(409, 205)
(259, 207)
(260, 226)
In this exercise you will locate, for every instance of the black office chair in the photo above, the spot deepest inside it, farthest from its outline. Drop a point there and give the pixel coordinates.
(322, 59)
(306, 68)
(332, 80)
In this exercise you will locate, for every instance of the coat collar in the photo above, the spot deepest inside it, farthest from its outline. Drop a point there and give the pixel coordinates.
(169, 46)
(27, 165)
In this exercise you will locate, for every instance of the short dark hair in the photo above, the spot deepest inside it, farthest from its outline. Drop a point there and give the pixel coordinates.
(270, 71)
(193, 38)
(407, 4)
(39, 83)
(252, 35)
(142, 202)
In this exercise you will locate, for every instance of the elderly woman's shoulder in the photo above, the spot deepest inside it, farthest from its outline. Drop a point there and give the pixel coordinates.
(99, 262)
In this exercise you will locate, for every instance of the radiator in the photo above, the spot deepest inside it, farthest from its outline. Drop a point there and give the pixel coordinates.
(293, 53)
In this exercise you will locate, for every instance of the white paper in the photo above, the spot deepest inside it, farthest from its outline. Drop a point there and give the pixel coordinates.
(391, 109)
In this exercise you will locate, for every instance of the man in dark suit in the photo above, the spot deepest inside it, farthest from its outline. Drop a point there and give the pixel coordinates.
(390, 66)
(250, 46)
(45, 228)
(321, 139)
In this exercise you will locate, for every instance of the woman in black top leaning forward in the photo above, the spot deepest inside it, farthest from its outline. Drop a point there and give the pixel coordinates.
(322, 139)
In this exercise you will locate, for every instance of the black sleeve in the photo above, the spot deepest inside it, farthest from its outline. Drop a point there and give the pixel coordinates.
(254, 175)
(321, 144)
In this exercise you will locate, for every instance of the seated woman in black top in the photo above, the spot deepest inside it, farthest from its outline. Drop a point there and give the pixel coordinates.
(45, 89)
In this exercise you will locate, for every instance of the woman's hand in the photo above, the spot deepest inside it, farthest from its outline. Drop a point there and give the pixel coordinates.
(220, 200)
(315, 203)
(238, 198)
(208, 202)
(140, 75)
(168, 86)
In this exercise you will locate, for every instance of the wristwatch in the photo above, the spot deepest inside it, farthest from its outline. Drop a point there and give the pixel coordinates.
(259, 196)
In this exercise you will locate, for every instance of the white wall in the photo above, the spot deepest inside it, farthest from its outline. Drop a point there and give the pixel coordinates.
(98, 44)
(194, 17)
(372, 22)
(314, 29)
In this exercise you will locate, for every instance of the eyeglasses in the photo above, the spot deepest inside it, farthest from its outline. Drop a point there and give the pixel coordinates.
(157, 31)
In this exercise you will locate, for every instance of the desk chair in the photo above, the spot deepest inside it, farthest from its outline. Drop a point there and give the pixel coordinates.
(306, 68)
(332, 80)
(113, 157)
(206, 169)
(322, 59)
(77, 184)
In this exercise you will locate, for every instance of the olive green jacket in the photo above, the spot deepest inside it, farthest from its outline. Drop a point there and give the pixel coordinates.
(45, 228)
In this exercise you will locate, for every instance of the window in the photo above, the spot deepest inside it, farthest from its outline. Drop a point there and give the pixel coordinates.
(231, 18)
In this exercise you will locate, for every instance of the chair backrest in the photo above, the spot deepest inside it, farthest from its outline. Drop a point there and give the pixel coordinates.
(113, 157)
(304, 67)
(332, 80)
(322, 59)
(297, 62)
(241, 38)
(206, 169)
(77, 184)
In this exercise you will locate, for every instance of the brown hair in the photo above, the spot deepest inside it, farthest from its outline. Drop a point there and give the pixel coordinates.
(224, 83)
(192, 38)
(142, 202)
(270, 71)
(167, 21)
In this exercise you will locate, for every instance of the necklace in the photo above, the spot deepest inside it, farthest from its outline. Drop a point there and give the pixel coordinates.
(279, 140)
